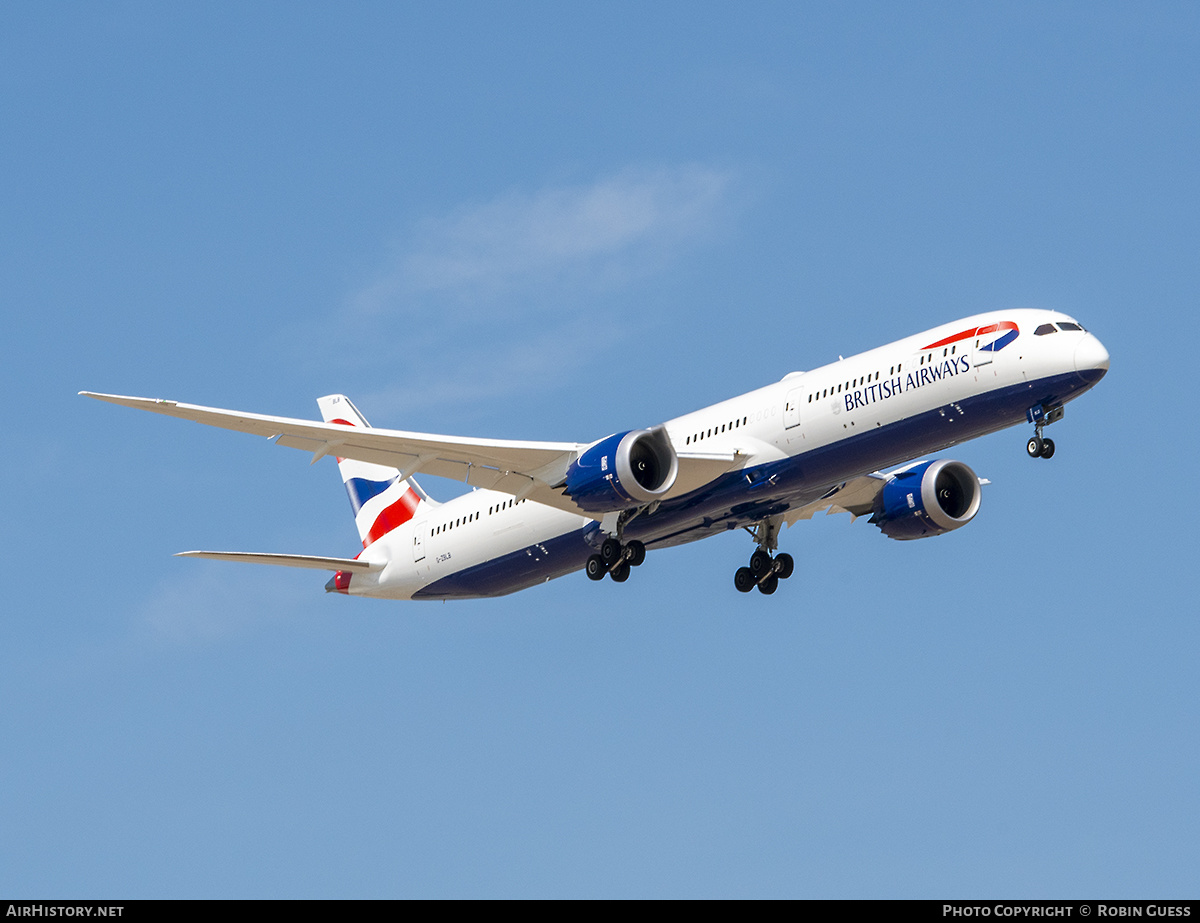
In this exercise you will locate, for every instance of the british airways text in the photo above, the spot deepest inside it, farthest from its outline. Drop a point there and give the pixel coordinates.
(898, 385)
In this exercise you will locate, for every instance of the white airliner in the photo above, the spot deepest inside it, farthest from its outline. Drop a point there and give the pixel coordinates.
(813, 441)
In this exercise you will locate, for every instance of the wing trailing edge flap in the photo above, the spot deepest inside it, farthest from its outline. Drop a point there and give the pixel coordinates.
(310, 561)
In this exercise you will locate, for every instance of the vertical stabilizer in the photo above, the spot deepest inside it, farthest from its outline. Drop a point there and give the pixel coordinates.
(381, 500)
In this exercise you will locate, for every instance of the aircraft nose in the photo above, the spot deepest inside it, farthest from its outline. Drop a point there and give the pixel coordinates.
(1091, 359)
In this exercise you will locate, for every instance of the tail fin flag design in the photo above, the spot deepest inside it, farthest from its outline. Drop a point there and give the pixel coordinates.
(380, 499)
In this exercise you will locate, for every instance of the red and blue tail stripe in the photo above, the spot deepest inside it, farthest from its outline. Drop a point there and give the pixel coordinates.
(361, 490)
(392, 516)
(380, 499)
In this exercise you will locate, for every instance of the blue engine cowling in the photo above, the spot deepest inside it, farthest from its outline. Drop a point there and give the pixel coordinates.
(927, 499)
(623, 470)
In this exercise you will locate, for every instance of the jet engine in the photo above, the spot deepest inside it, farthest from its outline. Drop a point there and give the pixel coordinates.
(623, 470)
(927, 499)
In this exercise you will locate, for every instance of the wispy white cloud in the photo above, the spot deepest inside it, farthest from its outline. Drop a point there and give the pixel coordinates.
(493, 370)
(524, 291)
(615, 226)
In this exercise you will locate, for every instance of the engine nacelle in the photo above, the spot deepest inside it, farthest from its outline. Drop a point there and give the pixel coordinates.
(623, 470)
(928, 499)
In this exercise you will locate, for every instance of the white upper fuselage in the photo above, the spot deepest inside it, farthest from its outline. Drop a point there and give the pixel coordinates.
(791, 441)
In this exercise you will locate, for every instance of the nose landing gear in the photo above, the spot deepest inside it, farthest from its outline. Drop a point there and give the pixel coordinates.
(1039, 447)
(1041, 416)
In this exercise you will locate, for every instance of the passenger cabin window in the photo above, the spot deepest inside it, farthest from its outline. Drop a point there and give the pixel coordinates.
(1044, 329)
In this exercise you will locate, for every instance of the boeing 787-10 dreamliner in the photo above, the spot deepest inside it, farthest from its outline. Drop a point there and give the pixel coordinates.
(822, 440)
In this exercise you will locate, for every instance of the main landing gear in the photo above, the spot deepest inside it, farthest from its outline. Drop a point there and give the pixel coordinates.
(765, 571)
(615, 559)
(1040, 446)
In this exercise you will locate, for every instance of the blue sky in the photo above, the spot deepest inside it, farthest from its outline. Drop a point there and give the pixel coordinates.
(534, 222)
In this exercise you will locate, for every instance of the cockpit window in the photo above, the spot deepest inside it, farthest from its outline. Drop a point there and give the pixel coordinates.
(1069, 327)
(1044, 329)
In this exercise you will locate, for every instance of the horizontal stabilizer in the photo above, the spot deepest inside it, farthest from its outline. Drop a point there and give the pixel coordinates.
(311, 561)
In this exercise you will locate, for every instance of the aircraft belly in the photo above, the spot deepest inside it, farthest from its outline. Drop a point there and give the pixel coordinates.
(515, 570)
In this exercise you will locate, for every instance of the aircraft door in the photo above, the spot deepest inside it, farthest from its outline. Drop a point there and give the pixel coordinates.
(419, 532)
(791, 409)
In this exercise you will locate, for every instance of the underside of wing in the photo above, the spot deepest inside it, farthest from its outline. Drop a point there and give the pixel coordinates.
(696, 470)
(856, 497)
(862, 496)
(310, 561)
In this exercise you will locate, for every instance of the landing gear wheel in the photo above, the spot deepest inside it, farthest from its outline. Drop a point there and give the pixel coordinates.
(595, 568)
(760, 564)
(635, 553)
(610, 552)
(1034, 447)
(744, 580)
(784, 565)
(620, 573)
(769, 586)
(1047, 448)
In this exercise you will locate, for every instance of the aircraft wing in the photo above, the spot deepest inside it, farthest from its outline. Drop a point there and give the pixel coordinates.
(517, 468)
(535, 470)
(856, 497)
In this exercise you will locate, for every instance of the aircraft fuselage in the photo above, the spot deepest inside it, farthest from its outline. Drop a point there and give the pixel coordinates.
(794, 441)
